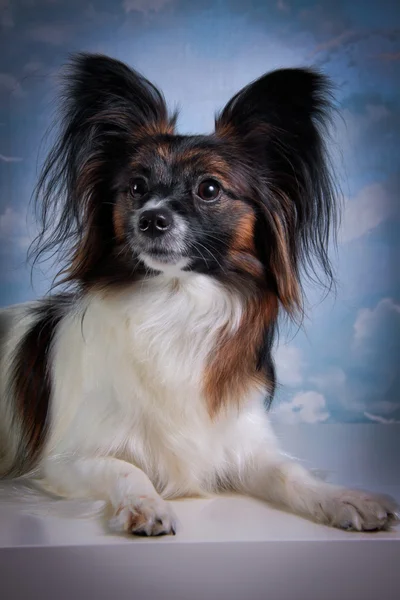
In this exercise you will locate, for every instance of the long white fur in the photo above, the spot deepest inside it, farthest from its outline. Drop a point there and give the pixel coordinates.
(129, 423)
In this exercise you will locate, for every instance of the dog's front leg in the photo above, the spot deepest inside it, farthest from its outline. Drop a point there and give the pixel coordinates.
(272, 477)
(136, 506)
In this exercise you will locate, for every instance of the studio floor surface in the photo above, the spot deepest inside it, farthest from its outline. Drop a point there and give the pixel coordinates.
(226, 547)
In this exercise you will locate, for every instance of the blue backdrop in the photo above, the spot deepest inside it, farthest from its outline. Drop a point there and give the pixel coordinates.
(345, 365)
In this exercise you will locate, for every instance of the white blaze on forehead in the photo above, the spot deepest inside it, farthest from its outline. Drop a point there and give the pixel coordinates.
(154, 203)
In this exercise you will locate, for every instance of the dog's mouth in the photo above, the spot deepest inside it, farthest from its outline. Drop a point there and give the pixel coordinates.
(161, 248)
(164, 261)
(162, 256)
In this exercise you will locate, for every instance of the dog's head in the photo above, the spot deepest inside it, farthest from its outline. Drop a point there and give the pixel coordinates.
(250, 204)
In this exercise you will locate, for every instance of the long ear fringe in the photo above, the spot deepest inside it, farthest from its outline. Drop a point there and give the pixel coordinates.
(281, 122)
(105, 108)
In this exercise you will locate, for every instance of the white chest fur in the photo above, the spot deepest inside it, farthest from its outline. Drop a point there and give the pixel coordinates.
(127, 381)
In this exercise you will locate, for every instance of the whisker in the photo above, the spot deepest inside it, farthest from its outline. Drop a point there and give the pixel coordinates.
(201, 254)
(209, 236)
(211, 254)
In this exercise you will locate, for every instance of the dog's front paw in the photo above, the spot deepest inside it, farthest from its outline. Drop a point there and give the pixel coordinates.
(358, 510)
(144, 516)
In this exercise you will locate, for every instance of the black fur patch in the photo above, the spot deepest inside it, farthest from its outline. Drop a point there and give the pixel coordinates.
(31, 383)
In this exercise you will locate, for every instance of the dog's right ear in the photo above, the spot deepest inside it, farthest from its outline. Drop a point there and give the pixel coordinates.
(105, 92)
(106, 108)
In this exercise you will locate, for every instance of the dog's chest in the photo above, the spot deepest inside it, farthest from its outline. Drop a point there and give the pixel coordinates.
(142, 358)
(164, 332)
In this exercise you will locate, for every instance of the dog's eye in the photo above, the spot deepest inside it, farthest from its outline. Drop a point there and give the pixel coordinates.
(138, 187)
(208, 190)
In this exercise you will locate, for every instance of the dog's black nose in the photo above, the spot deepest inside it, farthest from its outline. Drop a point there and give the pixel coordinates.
(155, 221)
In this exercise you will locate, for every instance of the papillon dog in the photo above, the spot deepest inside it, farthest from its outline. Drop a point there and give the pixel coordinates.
(150, 376)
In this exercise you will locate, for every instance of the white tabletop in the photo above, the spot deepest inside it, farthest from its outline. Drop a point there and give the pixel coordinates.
(226, 547)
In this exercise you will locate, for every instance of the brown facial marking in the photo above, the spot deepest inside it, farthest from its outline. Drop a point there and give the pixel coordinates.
(282, 266)
(163, 150)
(84, 251)
(119, 218)
(247, 263)
(225, 129)
(159, 128)
(232, 365)
(88, 247)
(242, 252)
(243, 239)
(206, 162)
(189, 154)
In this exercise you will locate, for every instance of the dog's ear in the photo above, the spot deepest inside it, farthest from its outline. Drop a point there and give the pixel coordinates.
(106, 107)
(104, 91)
(278, 122)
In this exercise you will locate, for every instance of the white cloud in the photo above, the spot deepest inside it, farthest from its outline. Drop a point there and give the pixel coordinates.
(389, 56)
(369, 208)
(283, 6)
(33, 66)
(376, 112)
(374, 360)
(305, 407)
(354, 124)
(145, 6)
(351, 42)
(384, 319)
(354, 129)
(10, 159)
(330, 380)
(100, 17)
(10, 84)
(365, 380)
(354, 392)
(14, 230)
(289, 365)
(203, 97)
(6, 17)
(55, 34)
(339, 42)
(382, 420)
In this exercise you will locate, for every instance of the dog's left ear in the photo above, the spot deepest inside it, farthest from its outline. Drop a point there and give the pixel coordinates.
(278, 124)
